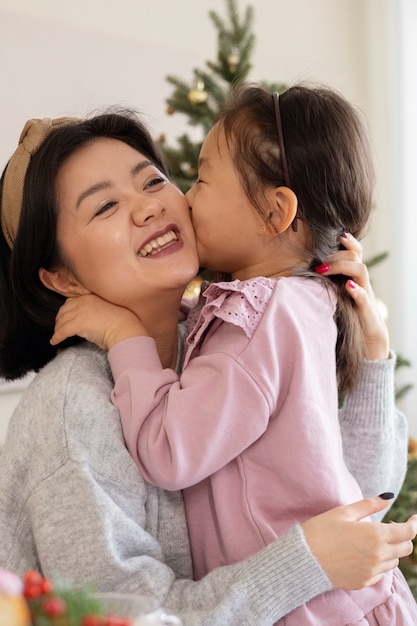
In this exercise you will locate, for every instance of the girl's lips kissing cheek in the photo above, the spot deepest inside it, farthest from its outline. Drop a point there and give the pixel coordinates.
(160, 242)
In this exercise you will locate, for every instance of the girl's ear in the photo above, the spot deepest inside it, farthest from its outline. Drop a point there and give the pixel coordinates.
(283, 208)
(63, 282)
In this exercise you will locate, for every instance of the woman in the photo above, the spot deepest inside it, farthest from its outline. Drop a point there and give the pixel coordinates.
(97, 214)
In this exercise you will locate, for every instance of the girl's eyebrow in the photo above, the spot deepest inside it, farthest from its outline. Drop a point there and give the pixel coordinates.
(105, 184)
(204, 162)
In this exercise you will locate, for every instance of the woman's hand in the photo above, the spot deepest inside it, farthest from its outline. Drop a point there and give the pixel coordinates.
(96, 320)
(349, 262)
(355, 553)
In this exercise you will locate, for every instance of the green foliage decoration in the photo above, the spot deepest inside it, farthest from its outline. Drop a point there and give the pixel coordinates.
(202, 97)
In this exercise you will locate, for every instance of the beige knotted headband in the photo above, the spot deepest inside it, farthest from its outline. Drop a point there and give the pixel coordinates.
(33, 135)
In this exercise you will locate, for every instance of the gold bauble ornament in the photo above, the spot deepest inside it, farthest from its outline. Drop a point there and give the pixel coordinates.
(412, 448)
(197, 95)
(233, 62)
(193, 288)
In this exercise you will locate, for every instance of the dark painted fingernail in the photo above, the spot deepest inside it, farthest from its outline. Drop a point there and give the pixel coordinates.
(387, 495)
(322, 269)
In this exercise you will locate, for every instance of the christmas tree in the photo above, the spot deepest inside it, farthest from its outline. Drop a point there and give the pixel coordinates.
(200, 99)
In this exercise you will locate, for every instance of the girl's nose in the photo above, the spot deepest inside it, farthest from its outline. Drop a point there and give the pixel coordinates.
(190, 196)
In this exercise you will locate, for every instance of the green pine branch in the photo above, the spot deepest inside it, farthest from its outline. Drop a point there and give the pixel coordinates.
(235, 40)
(378, 258)
(404, 506)
(201, 98)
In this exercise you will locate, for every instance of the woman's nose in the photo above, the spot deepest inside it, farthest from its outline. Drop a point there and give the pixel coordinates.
(145, 208)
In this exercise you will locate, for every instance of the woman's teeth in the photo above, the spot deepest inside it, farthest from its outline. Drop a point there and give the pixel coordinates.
(156, 245)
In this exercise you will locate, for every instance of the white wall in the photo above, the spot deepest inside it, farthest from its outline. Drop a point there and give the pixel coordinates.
(71, 57)
(9, 397)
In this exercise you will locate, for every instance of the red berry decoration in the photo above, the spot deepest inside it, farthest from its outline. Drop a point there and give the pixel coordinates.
(113, 620)
(60, 604)
(32, 582)
(32, 592)
(32, 577)
(54, 606)
(46, 586)
(92, 620)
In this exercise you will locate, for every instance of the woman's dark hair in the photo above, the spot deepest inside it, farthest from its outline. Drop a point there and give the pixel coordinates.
(330, 170)
(27, 308)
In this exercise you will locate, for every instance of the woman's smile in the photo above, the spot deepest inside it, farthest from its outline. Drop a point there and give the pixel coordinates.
(165, 241)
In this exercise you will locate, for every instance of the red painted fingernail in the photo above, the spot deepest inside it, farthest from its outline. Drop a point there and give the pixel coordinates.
(322, 269)
(351, 284)
(345, 235)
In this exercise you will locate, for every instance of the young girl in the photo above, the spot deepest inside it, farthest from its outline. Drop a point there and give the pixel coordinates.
(250, 429)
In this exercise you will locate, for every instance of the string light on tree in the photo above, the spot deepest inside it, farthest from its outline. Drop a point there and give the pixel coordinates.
(188, 170)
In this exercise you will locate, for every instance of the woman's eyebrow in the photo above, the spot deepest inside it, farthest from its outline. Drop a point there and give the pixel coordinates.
(141, 166)
(107, 184)
(91, 190)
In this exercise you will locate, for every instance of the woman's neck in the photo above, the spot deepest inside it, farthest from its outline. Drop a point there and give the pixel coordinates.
(167, 347)
(160, 318)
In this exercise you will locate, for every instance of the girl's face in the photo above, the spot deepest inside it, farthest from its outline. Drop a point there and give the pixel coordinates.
(227, 227)
(123, 228)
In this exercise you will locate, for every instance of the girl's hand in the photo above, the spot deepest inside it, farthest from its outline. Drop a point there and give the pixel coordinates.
(355, 553)
(349, 262)
(96, 320)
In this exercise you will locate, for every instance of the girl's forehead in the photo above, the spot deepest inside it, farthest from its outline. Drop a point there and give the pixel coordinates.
(216, 145)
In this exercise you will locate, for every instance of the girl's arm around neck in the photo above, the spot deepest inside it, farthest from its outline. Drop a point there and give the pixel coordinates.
(161, 412)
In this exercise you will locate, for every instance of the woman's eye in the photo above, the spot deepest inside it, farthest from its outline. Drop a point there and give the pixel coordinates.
(105, 207)
(155, 182)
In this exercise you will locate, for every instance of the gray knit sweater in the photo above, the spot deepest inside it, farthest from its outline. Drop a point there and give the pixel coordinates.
(73, 504)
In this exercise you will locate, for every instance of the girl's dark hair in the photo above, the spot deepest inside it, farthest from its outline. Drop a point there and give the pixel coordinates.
(27, 308)
(330, 170)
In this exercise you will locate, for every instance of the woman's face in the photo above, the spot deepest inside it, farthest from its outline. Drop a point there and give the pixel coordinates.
(123, 228)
